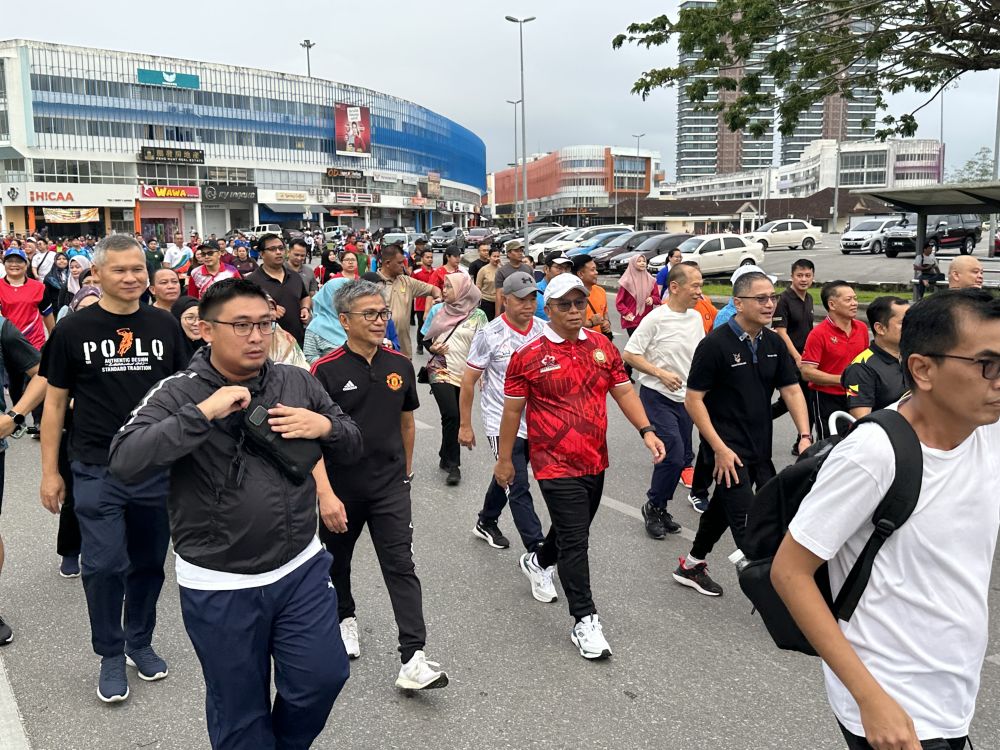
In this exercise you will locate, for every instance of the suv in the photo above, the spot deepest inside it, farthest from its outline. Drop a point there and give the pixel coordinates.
(962, 231)
(447, 235)
(866, 236)
(287, 234)
(791, 233)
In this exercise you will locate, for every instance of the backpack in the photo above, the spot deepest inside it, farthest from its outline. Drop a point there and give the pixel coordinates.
(777, 502)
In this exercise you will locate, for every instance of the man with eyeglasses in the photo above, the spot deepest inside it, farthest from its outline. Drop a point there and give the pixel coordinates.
(211, 271)
(874, 380)
(284, 285)
(830, 347)
(560, 382)
(734, 373)
(377, 387)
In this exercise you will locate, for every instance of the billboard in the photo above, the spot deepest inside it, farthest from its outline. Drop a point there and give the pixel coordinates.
(433, 184)
(352, 130)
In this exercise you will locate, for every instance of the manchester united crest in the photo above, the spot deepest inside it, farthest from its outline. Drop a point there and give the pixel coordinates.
(394, 380)
(600, 357)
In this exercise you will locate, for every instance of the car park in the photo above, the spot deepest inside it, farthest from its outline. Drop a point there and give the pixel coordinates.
(867, 236)
(716, 253)
(541, 236)
(578, 236)
(541, 249)
(960, 232)
(657, 246)
(596, 242)
(791, 233)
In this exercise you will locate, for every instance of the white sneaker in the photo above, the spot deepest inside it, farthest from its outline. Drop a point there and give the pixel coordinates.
(542, 587)
(349, 634)
(420, 674)
(588, 636)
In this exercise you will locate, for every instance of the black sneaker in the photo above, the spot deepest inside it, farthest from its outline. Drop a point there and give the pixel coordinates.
(6, 634)
(654, 521)
(490, 533)
(33, 430)
(697, 578)
(669, 524)
(454, 476)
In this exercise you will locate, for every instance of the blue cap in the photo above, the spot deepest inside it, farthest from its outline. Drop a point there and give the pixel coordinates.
(15, 252)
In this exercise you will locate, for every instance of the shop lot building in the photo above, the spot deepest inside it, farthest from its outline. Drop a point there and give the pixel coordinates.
(93, 141)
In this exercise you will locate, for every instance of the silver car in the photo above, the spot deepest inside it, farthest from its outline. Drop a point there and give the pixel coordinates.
(867, 236)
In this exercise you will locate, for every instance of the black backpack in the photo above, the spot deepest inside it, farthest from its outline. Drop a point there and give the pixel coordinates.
(777, 502)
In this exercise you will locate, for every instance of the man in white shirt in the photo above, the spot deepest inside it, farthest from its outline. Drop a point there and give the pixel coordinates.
(41, 259)
(661, 350)
(905, 669)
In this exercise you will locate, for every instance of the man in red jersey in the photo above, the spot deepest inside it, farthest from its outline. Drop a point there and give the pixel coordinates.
(424, 271)
(563, 377)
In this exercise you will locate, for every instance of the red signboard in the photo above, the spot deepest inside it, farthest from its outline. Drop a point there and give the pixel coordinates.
(353, 130)
(170, 192)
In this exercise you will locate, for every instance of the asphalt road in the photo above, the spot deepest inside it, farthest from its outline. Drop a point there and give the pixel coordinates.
(687, 671)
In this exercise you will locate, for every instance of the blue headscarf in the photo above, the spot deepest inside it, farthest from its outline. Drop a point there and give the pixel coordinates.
(325, 322)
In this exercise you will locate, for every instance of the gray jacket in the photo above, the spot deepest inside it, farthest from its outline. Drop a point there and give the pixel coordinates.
(250, 526)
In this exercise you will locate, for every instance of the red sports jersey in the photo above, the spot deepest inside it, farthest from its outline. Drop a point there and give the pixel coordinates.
(420, 303)
(832, 350)
(24, 306)
(566, 385)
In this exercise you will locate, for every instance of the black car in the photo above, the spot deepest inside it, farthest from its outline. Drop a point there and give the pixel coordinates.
(944, 231)
(658, 244)
(624, 243)
(447, 235)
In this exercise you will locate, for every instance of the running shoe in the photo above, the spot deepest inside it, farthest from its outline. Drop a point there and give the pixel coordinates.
(112, 687)
(490, 533)
(6, 634)
(687, 476)
(150, 666)
(588, 636)
(697, 578)
(700, 504)
(420, 674)
(349, 634)
(654, 522)
(542, 587)
(70, 566)
(454, 476)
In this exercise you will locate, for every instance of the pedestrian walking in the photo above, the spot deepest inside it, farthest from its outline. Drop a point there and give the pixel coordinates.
(874, 380)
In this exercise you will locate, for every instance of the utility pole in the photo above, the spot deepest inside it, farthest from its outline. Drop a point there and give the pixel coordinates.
(515, 103)
(524, 137)
(308, 45)
(991, 248)
(639, 186)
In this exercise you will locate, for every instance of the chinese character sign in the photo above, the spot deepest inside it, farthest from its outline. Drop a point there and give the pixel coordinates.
(353, 126)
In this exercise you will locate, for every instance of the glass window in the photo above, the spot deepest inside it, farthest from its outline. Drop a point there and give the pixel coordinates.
(712, 246)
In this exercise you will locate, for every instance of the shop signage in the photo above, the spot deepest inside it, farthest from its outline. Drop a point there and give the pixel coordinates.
(83, 195)
(71, 215)
(433, 184)
(229, 193)
(350, 174)
(172, 155)
(417, 200)
(169, 192)
(166, 78)
(291, 196)
(356, 197)
(384, 177)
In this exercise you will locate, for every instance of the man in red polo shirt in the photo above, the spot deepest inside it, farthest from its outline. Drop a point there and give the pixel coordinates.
(424, 271)
(830, 347)
(563, 377)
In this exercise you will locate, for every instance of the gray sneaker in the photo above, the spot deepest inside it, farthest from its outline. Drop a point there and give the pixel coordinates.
(112, 687)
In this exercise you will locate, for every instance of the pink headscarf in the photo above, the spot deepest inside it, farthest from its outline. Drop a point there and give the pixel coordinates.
(467, 296)
(639, 284)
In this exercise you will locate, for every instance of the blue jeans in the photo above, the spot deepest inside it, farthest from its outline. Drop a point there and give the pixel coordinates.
(522, 506)
(237, 633)
(673, 426)
(124, 532)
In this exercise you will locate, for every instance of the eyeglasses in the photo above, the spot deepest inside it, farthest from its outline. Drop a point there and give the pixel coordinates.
(244, 328)
(273, 248)
(991, 367)
(566, 305)
(763, 299)
(371, 315)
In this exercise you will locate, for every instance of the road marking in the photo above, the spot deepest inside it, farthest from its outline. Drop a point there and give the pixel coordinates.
(422, 425)
(633, 512)
(12, 735)
(995, 659)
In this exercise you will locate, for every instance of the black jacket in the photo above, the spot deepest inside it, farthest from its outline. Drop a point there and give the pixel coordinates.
(263, 522)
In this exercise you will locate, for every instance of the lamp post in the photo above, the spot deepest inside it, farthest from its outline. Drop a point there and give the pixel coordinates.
(515, 103)
(639, 186)
(308, 45)
(991, 248)
(524, 138)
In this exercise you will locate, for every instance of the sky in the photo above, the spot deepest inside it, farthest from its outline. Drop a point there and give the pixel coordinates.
(458, 58)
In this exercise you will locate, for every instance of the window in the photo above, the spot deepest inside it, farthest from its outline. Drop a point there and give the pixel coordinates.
(712, 246)
(731, 242)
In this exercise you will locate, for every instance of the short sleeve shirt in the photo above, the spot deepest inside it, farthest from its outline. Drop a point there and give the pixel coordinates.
(289, 293)
(201, 279)
(16, 355)
(795, 316)
(506, 270)
(874, 379)
(491, 350)
(24, 306)
(830, 349)
(565, 384)
(667, 339)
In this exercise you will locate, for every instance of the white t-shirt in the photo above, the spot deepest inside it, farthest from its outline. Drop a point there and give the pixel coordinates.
(191, 576)
(921, 625)
(42, 263)
(490, 353)
(667, 339)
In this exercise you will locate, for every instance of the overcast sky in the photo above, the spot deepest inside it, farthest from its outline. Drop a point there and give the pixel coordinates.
(459, 58)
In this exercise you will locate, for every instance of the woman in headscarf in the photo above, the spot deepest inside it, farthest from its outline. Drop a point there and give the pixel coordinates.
(284, 348)
(328, 268)
(637, 294)
(448, 331)
(88, 295)
(79, 270)
(56, 280)
(185, 310)
(324, 333)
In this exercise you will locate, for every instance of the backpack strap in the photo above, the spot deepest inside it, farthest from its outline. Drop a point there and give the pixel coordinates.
(892, 511)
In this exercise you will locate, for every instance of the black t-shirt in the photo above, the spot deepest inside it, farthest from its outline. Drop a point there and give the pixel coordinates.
(475, 267)
(874, 379)
(108, 363)
(288, 293)
(795, 315)
(374, 396)
(739, 387)
(16, 355)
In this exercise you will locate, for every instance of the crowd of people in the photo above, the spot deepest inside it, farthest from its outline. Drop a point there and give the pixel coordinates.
(259, 413)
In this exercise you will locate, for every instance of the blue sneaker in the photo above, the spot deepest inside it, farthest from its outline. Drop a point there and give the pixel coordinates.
(150, 666)
(70, 567)
(700, 504)
(113, 685)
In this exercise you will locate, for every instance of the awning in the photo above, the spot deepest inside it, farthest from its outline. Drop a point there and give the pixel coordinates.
(286, 208)
(959, 197)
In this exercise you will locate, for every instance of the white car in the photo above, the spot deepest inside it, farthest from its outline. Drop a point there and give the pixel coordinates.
(579, 236)
(793, 233)
(867, 237)
(716, 253)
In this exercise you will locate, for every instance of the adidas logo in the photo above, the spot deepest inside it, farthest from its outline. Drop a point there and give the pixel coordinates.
(349, 386)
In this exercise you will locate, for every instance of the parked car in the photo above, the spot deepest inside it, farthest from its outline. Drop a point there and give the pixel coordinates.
(504, 237)
(657, 246)
(717, 253)
(792, 233)
(475, 235)
(286, 232)
(867, 236)
(540, 249)
(944, 231)
(539, 236)
(581, 235)
(623, 243)
(448, 235)
(596, 242)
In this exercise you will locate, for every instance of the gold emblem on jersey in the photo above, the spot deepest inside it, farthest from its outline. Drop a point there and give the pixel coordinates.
(600, 357)
(394, 380)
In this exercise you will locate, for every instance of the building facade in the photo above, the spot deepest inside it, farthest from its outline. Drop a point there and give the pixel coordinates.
(93, 141)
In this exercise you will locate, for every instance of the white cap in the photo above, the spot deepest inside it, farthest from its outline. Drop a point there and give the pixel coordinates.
(562, 284)
(742, 270)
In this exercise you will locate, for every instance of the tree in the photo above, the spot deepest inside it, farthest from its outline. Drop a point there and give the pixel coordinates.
(815, 49)
(977, 169)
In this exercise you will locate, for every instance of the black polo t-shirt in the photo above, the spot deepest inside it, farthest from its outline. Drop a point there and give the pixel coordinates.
(874, 379)
(739, 385)
(374, 396)
(795, 316)
(288, 293)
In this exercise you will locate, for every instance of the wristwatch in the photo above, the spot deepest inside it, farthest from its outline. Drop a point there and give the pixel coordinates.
(19, 423)
(646, 429)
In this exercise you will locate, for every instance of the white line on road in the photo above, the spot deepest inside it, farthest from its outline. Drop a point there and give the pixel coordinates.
(633, 512)
(12, 736)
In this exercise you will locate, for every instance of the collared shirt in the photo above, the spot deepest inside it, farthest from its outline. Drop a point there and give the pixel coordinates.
(566, 384)
(727, 312)
(289, 293)
(831, 349)
(400, 294)
(201, 279)
(795, 315)
(751, 341)
(874, 379)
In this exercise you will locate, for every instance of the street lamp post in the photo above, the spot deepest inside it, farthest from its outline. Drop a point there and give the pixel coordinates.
(524, 138)
(991, 248)
(308, 45)
(515, 103)
(639, 186)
